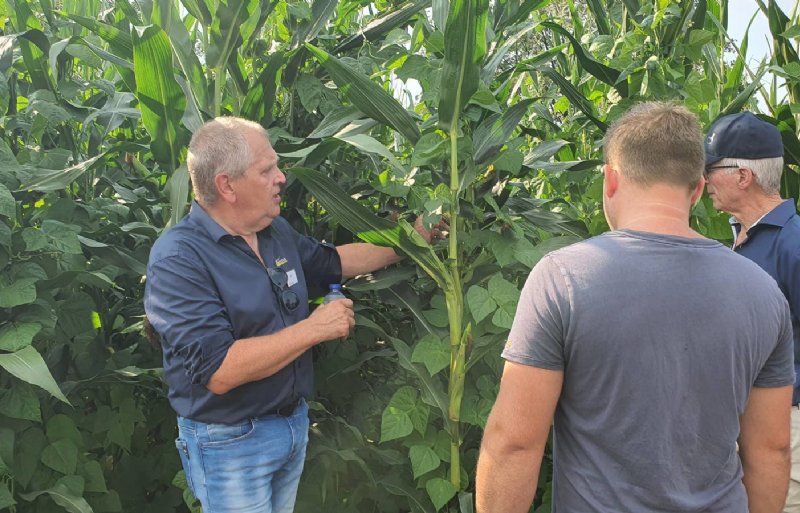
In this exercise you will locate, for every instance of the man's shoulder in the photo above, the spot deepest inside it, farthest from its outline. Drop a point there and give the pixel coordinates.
(781, 242)
(790, 233)
(611, 241)
(179, 240)
(283, 233)
(591, 244)
(580, 251)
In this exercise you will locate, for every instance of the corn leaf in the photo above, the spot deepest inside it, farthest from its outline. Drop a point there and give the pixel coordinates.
(120, 42)
(735, 74)
(597, 69)
(161, 98)
(198, 9)
(166, 15)
(35, 48)
(321, 11)
(465, 46)
(371, 145)
(742, 98)
(490, 69)
(261, 96)
(598, 11)
(784, 51)
(633, 7)
(383, 24)
(371, 228)
(514, 13)
(178, 189)
(56, 179)
(368, 96)
(574, 96)
(334, 121)
(677, 27)
(228, 30)
(494, 132)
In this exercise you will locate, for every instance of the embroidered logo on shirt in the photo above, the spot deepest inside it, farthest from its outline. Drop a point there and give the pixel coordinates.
(280, 261)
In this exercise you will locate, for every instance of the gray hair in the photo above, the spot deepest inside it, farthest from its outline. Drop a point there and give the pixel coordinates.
(767, 172)
(219, 146)
(657, 142)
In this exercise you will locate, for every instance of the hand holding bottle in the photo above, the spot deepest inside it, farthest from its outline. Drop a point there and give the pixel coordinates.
(334, 319)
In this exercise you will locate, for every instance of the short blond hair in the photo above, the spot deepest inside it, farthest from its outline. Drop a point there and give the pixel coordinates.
(219, 145)
(657, 142)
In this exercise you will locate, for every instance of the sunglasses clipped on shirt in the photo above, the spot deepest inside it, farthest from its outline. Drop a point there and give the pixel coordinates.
(280, 284)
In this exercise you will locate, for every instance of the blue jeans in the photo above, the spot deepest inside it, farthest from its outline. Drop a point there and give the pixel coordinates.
(250, 467)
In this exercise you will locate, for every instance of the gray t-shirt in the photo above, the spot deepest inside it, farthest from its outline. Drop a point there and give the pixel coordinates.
(661, 339)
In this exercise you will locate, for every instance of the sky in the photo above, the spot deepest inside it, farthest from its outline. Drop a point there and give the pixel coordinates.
(759, 44)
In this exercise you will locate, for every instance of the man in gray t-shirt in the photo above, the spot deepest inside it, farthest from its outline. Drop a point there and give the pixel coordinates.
(653, 349)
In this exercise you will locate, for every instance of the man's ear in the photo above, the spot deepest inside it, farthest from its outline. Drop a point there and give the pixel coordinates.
(745, 178)
(610, 180)
(698, 190)
(225, 189)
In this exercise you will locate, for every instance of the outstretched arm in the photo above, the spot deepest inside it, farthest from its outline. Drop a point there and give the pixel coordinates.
(362, 258)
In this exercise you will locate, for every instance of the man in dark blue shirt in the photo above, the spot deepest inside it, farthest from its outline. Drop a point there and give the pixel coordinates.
(744, 162)
(227, 291)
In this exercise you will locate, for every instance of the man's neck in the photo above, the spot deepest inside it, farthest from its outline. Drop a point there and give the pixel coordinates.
(229, 221)
(656, 216)
(757, 207)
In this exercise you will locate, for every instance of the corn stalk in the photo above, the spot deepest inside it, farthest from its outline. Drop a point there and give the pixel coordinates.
(464, 49)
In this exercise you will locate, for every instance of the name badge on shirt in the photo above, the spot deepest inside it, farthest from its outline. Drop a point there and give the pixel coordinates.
(292, 275)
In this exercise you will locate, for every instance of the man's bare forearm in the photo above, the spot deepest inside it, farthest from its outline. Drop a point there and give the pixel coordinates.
(766, 479)
(256, 358)
(506, 478)
(765, 448)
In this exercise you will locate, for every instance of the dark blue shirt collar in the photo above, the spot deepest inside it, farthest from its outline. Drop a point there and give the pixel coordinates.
(200, 218)
(778, 216)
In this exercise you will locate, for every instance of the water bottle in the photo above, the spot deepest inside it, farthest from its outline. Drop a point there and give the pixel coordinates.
(334, 293)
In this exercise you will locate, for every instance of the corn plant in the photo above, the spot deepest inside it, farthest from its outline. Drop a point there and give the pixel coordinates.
(486, 114)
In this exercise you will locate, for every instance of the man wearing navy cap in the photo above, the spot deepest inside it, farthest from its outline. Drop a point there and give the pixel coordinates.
(744, 162)
(227, 291)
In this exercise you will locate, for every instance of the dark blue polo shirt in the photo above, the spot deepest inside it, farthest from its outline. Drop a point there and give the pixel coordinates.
(774, 244)
(206, 289)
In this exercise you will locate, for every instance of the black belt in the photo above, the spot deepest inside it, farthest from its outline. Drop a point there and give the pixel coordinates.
(287, 410)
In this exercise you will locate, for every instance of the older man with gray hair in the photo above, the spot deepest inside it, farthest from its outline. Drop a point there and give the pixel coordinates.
(228, 292)
(744, 163)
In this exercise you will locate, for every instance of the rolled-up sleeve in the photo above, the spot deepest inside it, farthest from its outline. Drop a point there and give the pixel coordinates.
(185, 308)
(321, 263)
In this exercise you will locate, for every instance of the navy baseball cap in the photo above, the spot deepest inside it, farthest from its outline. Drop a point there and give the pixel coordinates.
(742, 136)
